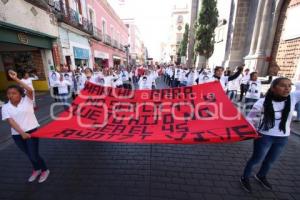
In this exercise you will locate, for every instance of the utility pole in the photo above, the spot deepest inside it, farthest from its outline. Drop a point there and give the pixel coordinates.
(194, 14)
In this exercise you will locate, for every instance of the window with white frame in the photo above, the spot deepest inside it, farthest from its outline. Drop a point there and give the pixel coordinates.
(92, 16)
(104, 26)
(112, 33)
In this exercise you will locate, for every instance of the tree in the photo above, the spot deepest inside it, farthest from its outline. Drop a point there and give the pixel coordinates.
(205, 29)
(184, 41)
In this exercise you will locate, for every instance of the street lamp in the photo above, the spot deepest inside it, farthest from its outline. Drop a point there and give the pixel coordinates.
(127, 55)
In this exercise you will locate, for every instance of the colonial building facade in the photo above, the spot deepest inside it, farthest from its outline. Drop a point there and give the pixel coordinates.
(263, 34)
(40, 35)
(27, 38)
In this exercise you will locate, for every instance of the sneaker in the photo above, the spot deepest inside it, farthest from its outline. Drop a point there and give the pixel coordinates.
(264, 182)
(245, 184)
(34, 175)
(44, 176)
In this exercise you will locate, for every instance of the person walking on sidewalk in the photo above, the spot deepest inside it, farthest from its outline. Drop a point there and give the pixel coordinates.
(271, 116)
(19, 113)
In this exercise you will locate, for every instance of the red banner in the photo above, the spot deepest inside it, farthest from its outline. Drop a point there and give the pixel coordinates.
(184, 115)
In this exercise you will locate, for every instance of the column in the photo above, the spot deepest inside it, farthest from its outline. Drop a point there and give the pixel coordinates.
(262, 39)
(257, 23)
(260, 66)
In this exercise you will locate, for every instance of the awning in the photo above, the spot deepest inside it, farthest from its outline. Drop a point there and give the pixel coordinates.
(18, 35)
(81, 53)
(100, 54)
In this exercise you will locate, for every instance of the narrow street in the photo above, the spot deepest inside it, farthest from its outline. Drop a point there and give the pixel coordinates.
(92, 170)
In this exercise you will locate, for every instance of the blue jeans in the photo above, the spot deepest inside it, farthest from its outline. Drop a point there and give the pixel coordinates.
(63, 98)
(267, 150)
(31, 148)
(232, 94)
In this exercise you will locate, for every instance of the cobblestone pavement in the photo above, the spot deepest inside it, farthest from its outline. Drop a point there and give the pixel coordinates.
(92, 170)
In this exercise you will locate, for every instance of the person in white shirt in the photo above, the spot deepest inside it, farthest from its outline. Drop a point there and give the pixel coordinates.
(145, 82)
(271, 116)
(125, 78)
(79, 82)
(53, 78)
(177, 75)
(244, 81)
(171, 76)
(116, 79)
(183, 77)
(28, 81)
(63, 90)
(153, 75)
(19, 113)
(218, 76)
(232, 87)
(254, 89)
(89, 76)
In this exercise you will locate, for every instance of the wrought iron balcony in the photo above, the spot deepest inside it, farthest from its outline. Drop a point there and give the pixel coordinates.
(71, 17)
(107, 39)
(97, 33)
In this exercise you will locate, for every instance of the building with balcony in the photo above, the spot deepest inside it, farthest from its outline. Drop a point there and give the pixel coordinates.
(107, 50)
(137, 48)
(28, 34)
(75, 31)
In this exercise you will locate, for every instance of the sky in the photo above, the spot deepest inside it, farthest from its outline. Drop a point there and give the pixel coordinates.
(152, 18)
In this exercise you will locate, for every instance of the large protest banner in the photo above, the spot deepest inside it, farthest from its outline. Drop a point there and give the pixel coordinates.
(184, 115)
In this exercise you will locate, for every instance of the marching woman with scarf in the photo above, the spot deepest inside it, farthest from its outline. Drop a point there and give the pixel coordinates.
(19, 114)
(271, 116)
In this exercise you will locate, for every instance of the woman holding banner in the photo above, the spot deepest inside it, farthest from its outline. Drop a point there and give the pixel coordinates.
(272, 117)
(19, 113)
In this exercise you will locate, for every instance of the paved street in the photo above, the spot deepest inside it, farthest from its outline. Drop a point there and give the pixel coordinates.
(90, 170)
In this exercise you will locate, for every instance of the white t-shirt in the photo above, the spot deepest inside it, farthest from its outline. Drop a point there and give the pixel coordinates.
(63, 86)
(255, 116)
(145, 83)
(183, 78)
(116, 80)
(190, 78)
(29, 80)
(245, 78)
(124, 75)
(234, 84)
(79, 80)
(223, 80)
(23, 115)
(53, 78)
(254, 90)
(177, 73)
(170, 72)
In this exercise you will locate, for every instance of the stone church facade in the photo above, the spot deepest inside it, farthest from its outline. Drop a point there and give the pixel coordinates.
(263, 34)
